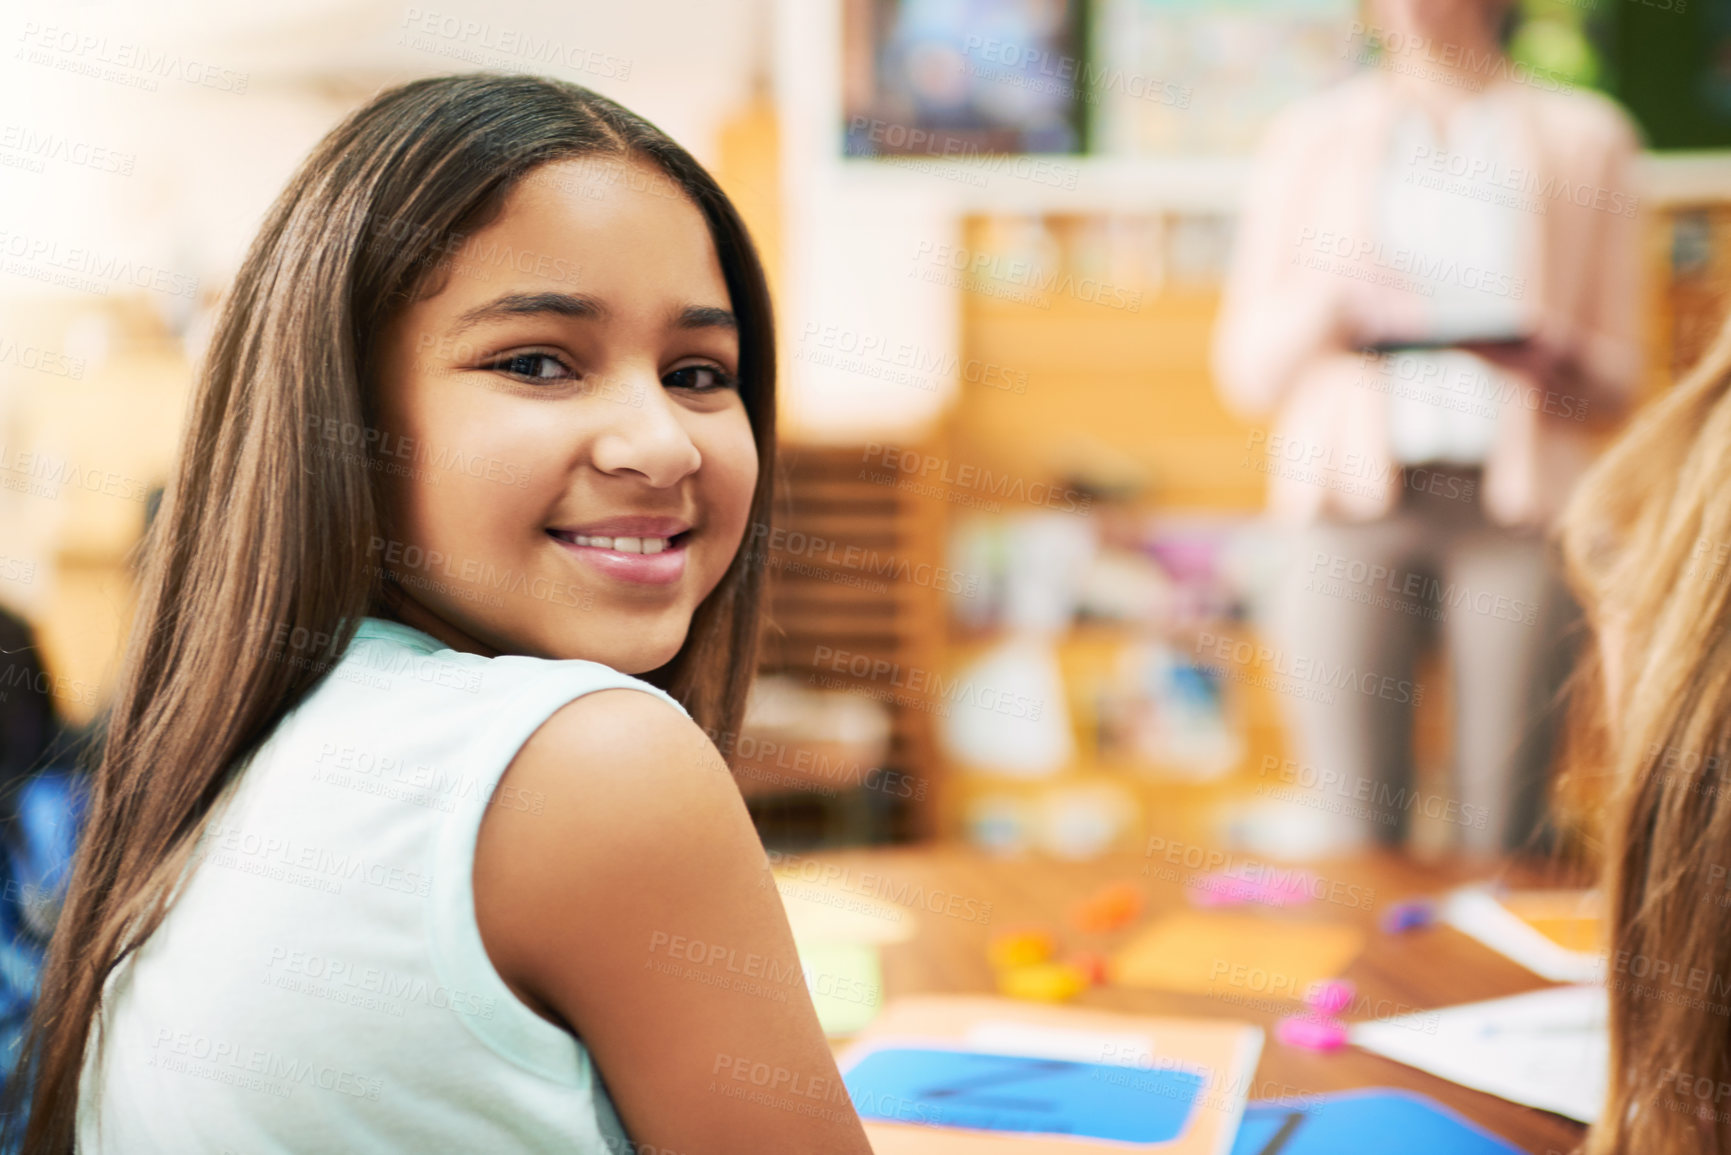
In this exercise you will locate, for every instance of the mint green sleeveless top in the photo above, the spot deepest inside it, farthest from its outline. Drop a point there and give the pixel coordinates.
(320, 984)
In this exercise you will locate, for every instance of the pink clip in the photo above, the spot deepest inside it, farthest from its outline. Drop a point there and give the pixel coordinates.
(1311, 1033)
(1222, 889)
(1331, 996)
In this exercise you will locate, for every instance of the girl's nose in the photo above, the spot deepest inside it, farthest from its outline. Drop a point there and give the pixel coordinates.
(643, 434)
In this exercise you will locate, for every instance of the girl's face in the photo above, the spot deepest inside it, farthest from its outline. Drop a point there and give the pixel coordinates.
(567, 463)
(1460, 23)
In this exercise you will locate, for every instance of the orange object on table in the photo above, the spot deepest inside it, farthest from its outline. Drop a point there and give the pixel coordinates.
(1109, 908)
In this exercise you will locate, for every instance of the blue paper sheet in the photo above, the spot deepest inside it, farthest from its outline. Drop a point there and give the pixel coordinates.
(1363, 1123)
(991, 1092)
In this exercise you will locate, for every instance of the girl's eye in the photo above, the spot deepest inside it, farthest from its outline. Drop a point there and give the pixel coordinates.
(536, 366)
(700, 379)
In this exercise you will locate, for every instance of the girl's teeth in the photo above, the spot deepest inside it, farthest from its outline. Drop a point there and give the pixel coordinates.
(626, 544)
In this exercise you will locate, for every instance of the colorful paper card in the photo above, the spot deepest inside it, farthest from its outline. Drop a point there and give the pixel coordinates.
(1573, 919)
(846, 983)
(1206, 952)
(1368, 1122)
(1021, 1093)
(981, 1076)
(1556, 934)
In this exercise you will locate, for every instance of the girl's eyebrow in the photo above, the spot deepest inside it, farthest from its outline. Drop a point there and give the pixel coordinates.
(583, 306)
(528, 304)
(706, 317)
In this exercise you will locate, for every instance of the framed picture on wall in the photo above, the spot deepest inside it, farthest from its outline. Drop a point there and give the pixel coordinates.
(950, 79)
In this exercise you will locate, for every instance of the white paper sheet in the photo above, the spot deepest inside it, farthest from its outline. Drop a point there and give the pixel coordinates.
(1547, 1049)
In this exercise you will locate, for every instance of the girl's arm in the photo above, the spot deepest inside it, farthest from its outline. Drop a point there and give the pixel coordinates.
(638, 909)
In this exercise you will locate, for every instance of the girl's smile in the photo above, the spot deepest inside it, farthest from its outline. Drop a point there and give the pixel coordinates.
(647, 550)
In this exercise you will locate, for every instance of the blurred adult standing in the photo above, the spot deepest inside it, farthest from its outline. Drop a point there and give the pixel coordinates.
(1435, 296)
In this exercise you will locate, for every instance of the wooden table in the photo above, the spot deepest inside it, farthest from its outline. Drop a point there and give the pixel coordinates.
(1423, 969)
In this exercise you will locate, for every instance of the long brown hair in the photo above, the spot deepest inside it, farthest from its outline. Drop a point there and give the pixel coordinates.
(262, 537)
(1647, 537)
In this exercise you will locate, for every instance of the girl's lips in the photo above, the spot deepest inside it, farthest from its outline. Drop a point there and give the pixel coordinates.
(653, 569)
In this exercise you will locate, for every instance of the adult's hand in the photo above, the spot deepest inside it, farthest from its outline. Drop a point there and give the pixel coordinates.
(1544, 363)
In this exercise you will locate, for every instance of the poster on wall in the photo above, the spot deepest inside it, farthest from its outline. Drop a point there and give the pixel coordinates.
(950, 79)
(1203, 77)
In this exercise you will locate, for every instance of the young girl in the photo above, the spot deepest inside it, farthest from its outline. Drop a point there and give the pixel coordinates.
(1648, 541)
(407, 835)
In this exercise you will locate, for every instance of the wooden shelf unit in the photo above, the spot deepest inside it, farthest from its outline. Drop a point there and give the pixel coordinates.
(849, 598)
